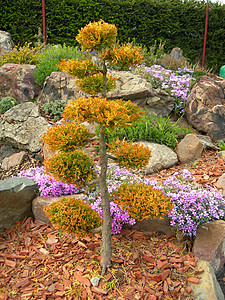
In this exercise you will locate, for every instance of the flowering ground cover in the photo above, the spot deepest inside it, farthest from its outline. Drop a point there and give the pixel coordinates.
(177, 84)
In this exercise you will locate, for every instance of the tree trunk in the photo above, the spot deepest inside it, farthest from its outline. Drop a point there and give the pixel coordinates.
(104, 86)
(106, 253)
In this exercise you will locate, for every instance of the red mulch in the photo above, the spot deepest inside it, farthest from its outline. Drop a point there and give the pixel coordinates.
(38, 261)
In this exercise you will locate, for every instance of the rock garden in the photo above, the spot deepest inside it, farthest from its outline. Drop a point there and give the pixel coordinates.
(112, 172)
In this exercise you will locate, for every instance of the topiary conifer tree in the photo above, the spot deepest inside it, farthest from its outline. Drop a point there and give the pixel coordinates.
(71, 164)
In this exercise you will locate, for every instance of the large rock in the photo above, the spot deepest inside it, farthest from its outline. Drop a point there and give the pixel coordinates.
(39, 204)
(62, 86)
(205, 109)
(6, 42)
(22, 126)
(209, 244)
(189, 149)
(16, 195)
(208, 288)
(139, 90)
(162, 157)
(17, 81)
(59, 86)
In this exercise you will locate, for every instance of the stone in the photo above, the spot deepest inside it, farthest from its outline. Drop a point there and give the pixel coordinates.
(39, 204)
(6, 42)
(137, 89)
(161, 103)
(95, 281)
(189, 149)
(221, 183)
(59, 86)
(46, 152)
(209, 244)
(208, 288)
(205, 109)
(13, 160)
(221, 154)
(16, 195)
(62, 86)
(162, 157)
(22, 126)
(207, 142)
(18, 81)
(153, 225)
(6, 151)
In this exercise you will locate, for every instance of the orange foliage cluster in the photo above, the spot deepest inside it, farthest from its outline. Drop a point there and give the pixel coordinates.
(67, 137)
(129, 154)
(107, 113)
(124, 56)
(79, 68)
(72, 167)
(73, 216)
(142, 201)
(97, 35)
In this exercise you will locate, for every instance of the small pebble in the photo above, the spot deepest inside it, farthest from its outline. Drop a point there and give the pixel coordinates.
(95, 281)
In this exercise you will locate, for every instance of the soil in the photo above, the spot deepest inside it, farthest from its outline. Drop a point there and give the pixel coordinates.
(37, 261)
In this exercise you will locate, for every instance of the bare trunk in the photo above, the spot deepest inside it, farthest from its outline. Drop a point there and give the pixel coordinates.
(106, 253)
(104, 86)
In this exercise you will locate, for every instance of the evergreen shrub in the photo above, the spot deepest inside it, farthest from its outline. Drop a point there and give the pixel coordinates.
(73, 215)
(142, 201)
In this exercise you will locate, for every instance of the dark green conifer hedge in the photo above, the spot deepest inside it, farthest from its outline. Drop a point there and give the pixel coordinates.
(177, 23)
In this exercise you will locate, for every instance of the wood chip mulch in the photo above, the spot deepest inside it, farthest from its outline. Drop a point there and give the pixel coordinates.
(38, 261)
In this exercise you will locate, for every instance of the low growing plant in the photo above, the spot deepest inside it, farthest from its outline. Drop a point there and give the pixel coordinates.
(21, 55)
(73, 215)
(152, 129)
(54, 109)
(47, 185)
(50, 57)
(221, 144)
(6, 103)
(194, 205)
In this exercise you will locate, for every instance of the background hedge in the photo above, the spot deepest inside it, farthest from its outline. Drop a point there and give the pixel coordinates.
(177, 23)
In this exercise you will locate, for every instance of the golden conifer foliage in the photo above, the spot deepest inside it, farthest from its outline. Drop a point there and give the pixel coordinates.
(107, 113)
(142, 201)
(67, 137)
(129, 154)
(73, 215)
(97, 36)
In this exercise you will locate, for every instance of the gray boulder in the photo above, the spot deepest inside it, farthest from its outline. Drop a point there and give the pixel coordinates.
(162, 157)
(16, 195)
(62, 86)
(22, 127)
(59, 86)
(6, 42)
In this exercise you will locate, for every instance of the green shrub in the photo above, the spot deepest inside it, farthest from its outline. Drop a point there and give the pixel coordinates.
(21, 55)
(142, 201)
(7, 103)
(52, 56)
(221, 144)
(54, 109)
(73, 216)
(151, 129)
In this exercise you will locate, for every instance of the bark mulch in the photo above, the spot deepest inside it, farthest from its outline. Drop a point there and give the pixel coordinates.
(37, 261)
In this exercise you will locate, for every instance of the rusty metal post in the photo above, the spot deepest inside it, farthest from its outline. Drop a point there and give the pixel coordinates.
(43, 21)
(205, 36)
